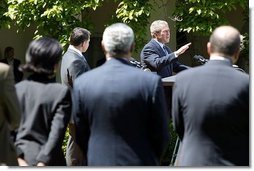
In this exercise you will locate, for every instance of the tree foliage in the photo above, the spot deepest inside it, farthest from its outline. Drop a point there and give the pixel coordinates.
(5, 21)
(203, 16)
(136, 14)
(56, 18)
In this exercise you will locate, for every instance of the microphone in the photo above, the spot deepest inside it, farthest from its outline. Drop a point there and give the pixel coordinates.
(203, 60)
(200, 59)
(138, 64)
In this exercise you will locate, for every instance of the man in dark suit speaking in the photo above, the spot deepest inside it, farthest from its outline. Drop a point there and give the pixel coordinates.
(211, 107)
(119, 110)
(157, 56)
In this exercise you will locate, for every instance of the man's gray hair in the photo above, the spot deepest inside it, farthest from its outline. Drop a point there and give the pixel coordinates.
(118, 38)
(157, 25)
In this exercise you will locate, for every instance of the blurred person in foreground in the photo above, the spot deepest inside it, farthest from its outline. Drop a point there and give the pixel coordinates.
(9, 116)
(119, 110)
(211, 107)
(46, 107)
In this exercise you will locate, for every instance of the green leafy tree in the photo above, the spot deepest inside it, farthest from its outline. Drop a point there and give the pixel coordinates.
(136, 14)
(56, 18)
(5, 21)
(202, 16)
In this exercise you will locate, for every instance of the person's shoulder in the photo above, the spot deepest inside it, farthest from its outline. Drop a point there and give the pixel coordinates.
(4, 70)
(57, 86)
(54, 90)
(241, 75)
(68, 52)
(4, 67)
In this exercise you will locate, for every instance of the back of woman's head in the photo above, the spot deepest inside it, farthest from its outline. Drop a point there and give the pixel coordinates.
(42, 55)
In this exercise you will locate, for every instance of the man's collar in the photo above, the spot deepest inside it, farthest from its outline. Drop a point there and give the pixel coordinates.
(161, 44)
(75, 49)
(215, 57)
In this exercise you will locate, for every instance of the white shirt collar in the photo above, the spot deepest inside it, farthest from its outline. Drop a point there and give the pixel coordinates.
(75, 49)
(218, 58)
(161, 44)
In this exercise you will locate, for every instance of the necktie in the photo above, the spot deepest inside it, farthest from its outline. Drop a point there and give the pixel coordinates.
(165, 50)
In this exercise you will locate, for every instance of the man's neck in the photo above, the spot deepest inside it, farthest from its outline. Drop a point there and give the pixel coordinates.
(76, 48)
(220, 57)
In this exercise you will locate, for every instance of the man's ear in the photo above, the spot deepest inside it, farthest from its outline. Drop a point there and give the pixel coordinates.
(132, 47)
(102, 46)
(208, 47)
(235, 57)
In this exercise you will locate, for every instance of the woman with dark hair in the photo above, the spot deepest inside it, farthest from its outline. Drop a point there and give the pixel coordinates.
(45, 107)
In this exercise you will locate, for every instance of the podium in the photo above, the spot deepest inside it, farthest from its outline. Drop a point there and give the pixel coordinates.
(168, 83)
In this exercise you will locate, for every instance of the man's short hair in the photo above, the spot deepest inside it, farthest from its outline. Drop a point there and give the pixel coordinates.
(79, 35)
(157, 25)
(118, 38)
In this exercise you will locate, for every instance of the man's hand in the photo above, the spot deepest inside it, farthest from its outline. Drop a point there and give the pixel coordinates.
(182, 49)
(22, 162)
(41, 164)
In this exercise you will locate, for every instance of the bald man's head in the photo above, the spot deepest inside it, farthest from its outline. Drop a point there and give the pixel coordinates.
(225, 40)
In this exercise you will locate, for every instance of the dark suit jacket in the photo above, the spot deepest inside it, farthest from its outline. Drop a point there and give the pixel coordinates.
(75, 63)
(154, 57)
(18, 75)
(211, 115)
(120, 115)
(46, 111)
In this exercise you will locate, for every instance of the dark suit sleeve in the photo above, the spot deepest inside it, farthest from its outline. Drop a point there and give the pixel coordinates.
(159, 132)
(58, 126)
(177, 111)
(153, 58)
